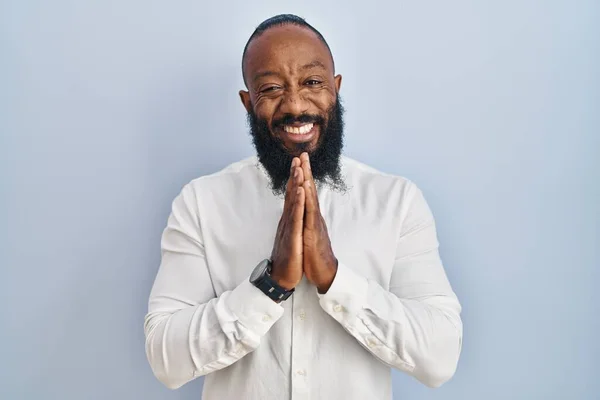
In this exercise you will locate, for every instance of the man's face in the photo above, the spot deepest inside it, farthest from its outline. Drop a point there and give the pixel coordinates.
(292, 102)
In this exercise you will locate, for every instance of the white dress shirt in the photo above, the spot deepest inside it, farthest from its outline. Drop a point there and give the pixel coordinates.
(390, 304)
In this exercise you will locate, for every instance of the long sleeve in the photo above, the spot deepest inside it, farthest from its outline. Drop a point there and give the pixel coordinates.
(189, 330)
(415, 326)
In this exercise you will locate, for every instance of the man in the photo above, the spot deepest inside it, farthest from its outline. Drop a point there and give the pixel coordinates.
(299, 273)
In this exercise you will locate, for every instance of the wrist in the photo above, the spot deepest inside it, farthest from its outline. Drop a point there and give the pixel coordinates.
(329, 277)
(275, 274)
(281, 281)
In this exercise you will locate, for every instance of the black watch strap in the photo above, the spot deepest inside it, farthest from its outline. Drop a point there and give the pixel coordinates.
(262, 280)
(269, 287)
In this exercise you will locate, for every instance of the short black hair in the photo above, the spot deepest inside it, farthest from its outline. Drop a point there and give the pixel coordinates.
(280, 20)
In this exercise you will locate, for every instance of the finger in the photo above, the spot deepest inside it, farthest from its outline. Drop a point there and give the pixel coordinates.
(311, 212)
(305, 163)
(289, 196)
(300, 177)
(307, 170)
(295, 181)
(289, 190)
(298, 217)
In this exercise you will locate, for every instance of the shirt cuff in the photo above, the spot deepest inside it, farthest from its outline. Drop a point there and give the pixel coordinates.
(347, 293)
(254, 309)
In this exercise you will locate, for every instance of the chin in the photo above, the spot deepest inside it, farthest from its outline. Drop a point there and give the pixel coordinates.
(299, 148)
(309, 146)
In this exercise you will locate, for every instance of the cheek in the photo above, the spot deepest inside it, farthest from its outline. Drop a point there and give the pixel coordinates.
(265, 108)
(323, 100)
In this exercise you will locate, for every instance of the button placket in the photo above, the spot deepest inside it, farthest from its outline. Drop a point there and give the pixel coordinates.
(301, 337)
(302, 315)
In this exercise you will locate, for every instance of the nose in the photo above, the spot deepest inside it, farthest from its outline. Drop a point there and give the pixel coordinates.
(293, 103)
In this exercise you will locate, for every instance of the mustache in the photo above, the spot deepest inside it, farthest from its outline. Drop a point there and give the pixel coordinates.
(289, 119)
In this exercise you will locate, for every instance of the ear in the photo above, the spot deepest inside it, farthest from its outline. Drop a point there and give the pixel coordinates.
(245, 98)
(338, 82)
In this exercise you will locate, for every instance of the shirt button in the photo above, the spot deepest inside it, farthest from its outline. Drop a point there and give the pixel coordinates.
(371, 342)
(301, 372)
(266, 318)
(338, 308)
(302, 315)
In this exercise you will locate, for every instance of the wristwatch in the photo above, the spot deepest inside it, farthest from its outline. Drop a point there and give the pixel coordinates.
(261, 278)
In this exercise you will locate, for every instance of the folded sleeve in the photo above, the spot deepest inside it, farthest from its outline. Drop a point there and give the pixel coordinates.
(189, 330)
(415, 326)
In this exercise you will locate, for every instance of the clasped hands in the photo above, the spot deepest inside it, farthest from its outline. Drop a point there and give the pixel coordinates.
(302, 244)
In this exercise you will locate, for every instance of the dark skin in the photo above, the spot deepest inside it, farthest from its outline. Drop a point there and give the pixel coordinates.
(289, 71)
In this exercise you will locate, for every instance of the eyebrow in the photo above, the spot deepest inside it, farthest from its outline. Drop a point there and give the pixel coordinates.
(262, 74)
(314, 64)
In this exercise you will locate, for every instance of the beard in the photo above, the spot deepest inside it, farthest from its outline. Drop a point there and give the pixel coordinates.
(324, 158)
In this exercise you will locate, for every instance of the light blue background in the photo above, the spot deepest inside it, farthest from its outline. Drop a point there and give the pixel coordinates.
(109, 107)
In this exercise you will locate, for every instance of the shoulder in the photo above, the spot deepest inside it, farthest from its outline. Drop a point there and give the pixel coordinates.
(229, 181)
(233, 178)
(366, 177)
(394, 193)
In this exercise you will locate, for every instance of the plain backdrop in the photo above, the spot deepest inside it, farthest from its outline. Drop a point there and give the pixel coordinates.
(109, 107)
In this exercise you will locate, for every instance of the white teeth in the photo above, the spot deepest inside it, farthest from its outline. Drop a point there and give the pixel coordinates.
(302, 130)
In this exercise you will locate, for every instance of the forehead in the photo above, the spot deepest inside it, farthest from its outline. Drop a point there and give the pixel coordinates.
(286, 48)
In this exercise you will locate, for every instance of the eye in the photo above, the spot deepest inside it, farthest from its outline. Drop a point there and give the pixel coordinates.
(313, 82)
(269, 89)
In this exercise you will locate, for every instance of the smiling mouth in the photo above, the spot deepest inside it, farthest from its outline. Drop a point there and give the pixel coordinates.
(298, 130)
(298, 133)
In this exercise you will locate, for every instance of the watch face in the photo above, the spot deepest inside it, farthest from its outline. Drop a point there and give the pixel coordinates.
(259, 270)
